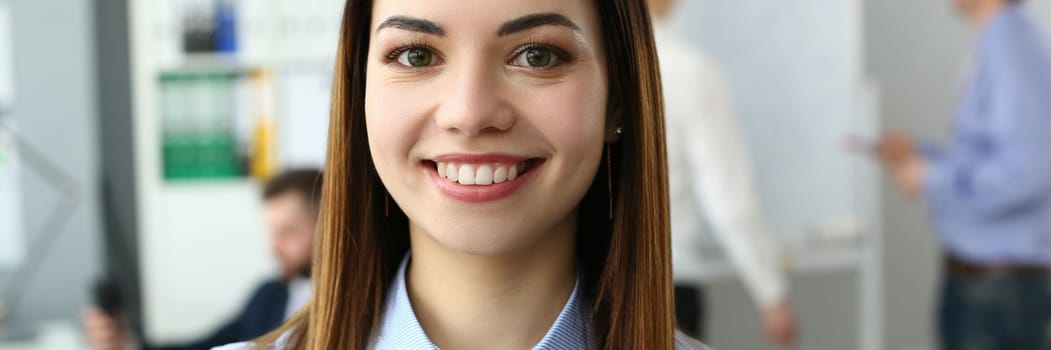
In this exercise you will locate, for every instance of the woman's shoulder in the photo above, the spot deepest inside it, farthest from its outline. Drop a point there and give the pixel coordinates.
(247, 345)
(235, 346)
(682, 342)
(281, 343)
(685, 342)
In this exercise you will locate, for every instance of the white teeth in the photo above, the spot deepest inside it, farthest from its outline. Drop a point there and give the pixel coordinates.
(500, 175)
(467, 174)
(480, 175)
(452, 172)
(484, 175)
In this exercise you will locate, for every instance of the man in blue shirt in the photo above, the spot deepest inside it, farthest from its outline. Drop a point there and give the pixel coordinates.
(989, 188)
(291, 204)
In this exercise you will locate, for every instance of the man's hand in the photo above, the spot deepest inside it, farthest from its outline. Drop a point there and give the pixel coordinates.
(781, 325)
(895, 147)
(103, 332)
(904, 164)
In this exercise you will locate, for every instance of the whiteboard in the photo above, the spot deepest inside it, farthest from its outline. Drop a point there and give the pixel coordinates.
(794, 71)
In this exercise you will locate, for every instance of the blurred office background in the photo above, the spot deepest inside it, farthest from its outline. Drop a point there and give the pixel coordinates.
(135, 133)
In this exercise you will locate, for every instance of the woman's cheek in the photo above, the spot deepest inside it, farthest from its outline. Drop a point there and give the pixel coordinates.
(391, 117)
(572, 117)
(384, 131)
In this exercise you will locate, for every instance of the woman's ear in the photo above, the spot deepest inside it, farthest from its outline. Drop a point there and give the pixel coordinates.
(615, 125)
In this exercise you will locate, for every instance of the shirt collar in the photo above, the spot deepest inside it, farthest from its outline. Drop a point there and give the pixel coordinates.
(401, 330)
(299, 290)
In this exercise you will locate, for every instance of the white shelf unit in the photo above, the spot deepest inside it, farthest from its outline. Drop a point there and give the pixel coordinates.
(202, 244)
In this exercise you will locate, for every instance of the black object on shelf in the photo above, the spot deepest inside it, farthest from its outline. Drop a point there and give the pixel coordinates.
(198, 33)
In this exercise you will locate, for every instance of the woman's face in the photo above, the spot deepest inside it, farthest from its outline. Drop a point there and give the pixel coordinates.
(486, 119)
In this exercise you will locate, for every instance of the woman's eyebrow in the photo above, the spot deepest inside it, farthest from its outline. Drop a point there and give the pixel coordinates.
(412, 24)
(535, 20)
(510, 27)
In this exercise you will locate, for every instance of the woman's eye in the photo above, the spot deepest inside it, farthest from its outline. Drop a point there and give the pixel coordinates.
(537, 57)
(416, 57)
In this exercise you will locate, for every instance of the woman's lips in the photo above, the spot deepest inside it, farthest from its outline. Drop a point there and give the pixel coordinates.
(480, 178)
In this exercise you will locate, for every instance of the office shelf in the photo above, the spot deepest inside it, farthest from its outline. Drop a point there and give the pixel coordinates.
(196, 232)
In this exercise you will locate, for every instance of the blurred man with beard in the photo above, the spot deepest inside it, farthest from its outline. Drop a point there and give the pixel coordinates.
(291, 203)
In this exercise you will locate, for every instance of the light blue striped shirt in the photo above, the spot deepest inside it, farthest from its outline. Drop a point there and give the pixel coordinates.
(989, 188)
(401, 330)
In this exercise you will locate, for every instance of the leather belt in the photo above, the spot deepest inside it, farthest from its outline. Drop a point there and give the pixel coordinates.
(968, 269)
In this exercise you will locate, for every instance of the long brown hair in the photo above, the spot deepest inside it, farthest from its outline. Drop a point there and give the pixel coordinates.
(626, 260)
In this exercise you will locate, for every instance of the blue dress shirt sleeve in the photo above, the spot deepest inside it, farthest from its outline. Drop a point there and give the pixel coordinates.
(998, 160)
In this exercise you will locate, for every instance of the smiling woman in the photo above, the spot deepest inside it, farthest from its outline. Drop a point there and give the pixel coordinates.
(496, 180)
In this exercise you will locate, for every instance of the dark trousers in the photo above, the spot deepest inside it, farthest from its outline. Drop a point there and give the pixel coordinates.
(689, 310)
(995, 311)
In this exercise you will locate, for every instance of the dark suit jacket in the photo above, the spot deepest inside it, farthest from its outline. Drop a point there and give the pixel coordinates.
(265, 312)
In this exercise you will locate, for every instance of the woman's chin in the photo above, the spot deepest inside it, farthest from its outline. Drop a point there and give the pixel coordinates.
(480, 238)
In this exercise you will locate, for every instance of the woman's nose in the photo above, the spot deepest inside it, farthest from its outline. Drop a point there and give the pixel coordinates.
(474, 104)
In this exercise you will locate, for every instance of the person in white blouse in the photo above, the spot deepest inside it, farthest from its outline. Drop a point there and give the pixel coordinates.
(710, 173)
